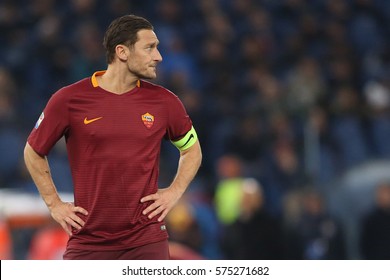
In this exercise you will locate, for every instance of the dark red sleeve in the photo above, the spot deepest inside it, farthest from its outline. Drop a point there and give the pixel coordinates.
(51, 125)
(179, 123)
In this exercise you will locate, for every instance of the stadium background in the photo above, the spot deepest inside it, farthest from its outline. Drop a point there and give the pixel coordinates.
(294, 94)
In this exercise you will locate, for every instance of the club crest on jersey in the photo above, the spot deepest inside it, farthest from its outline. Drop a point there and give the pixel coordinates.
(148, 120)
(41, 117)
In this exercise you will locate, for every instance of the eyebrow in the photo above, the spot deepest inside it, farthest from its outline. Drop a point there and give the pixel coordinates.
(155, 43)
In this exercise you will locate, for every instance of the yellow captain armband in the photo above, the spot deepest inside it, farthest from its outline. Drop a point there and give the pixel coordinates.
(187, 141)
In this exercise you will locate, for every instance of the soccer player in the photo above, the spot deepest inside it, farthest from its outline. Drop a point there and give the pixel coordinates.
(113, 123)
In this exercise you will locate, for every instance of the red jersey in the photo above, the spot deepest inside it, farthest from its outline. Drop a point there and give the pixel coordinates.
(113, 143)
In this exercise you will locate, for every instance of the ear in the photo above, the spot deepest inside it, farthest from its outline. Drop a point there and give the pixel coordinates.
(122, 52)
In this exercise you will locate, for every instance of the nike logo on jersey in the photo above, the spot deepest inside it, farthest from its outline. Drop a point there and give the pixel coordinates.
(86, 121)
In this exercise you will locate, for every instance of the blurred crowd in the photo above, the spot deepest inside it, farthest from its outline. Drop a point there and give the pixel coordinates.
(286, 96)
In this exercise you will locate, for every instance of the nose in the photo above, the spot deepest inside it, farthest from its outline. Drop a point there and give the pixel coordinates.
(157, 56)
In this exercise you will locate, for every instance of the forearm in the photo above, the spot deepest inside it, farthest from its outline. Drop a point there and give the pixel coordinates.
(189, 163)
(39, 170)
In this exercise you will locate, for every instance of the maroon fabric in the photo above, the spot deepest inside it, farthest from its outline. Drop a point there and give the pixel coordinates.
(153, 251)
(113, 144)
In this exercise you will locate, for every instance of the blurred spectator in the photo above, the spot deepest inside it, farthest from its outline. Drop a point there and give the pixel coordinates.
(346, 125)
(228, 191)
(248, 140)
(292, 208)
(255, 235)
(321, 159)
(377, 96)
(316, 235)
(375, 227)
(268, 95)
(305, 86)
(282, 173)
(365, 29)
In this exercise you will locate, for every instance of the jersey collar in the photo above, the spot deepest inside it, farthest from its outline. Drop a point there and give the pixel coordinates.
(100, 73)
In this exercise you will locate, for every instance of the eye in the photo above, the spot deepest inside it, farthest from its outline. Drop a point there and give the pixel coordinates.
(151, 47)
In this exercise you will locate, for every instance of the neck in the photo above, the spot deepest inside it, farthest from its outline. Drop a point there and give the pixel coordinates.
(117, 80)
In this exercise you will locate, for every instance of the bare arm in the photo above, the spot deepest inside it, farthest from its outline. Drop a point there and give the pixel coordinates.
(62, 212)
(165, 199)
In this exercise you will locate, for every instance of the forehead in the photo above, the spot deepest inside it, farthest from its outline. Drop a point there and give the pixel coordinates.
(146, 36)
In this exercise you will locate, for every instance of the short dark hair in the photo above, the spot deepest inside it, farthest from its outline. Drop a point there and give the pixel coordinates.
(123, 30)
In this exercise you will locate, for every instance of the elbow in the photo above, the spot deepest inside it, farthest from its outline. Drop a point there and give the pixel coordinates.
(199, 155)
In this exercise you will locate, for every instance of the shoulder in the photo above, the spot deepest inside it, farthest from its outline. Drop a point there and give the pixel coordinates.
(84, 84)
(68, 91)
(158, 89)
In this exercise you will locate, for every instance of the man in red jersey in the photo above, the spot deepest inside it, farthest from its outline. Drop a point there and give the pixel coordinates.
(113, 124)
